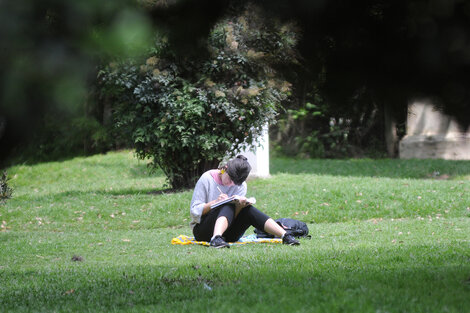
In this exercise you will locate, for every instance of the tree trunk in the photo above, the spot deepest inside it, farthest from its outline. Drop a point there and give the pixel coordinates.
(390, 131)
(107, 112)
(3, 124)
(187, 178)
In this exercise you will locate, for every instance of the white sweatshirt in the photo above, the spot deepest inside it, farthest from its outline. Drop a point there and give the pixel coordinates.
(206, 191)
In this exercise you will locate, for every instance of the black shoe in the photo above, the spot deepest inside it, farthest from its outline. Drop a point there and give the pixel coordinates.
(290, 240)
(219, 242)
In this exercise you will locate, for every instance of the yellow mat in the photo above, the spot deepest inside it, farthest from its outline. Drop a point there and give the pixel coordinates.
(186, 240)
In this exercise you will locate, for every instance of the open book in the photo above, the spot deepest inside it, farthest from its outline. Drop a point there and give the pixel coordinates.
(233, 199)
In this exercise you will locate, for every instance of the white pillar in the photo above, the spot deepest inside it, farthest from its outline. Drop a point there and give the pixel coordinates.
(259, 159)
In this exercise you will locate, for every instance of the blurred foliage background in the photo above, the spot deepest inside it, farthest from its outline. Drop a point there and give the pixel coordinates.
(352, 68)
(50, 53)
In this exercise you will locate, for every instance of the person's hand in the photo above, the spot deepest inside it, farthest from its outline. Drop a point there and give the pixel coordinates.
(243, 201)
(221, 197)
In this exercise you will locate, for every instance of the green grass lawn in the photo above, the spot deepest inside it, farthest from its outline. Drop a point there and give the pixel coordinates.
(387, 236)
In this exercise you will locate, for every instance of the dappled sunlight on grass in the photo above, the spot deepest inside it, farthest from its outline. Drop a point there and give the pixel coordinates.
(95, 233)
(408, 266)
(110, 172)
(393, 168)
(117, 183)
(325, 198)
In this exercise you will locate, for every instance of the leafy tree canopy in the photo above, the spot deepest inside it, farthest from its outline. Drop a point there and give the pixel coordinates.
(186, 113)
(395, 49)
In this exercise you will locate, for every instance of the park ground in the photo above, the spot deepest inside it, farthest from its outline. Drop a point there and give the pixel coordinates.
(94, 235)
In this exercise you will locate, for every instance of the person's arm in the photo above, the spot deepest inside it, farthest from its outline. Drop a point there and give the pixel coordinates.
(207, 206)
(242, 194)
(199, 200)
(199, 204)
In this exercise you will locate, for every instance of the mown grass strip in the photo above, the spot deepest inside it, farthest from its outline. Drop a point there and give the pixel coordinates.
(92, 235)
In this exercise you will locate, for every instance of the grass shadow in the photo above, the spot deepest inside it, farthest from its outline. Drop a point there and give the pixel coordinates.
(327, 281)
(119, 193)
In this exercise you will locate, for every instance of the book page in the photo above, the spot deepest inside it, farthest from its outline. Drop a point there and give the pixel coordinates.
(233, 199)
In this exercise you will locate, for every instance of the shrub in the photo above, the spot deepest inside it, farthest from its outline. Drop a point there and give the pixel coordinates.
(312, 127)
(61, 137)
(5, 190)
(188, 113)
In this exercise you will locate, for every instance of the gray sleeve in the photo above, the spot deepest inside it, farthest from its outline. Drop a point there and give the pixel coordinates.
(206, 191)
(243, 189)
(200, 196)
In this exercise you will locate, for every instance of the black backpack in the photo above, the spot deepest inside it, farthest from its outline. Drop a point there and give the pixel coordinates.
(294, 227)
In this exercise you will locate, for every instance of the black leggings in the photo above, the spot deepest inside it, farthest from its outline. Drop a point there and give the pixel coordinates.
(248, 216)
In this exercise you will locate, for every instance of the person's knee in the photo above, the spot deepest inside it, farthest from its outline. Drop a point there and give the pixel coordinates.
(255, 216)
(248, 211)
(222, 218)
(229, 207)
(227, 211)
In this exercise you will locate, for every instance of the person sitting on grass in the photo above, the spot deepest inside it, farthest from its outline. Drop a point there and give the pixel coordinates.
(229, 221)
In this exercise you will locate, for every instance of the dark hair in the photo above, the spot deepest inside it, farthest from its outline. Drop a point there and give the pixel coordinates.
(238, 169)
